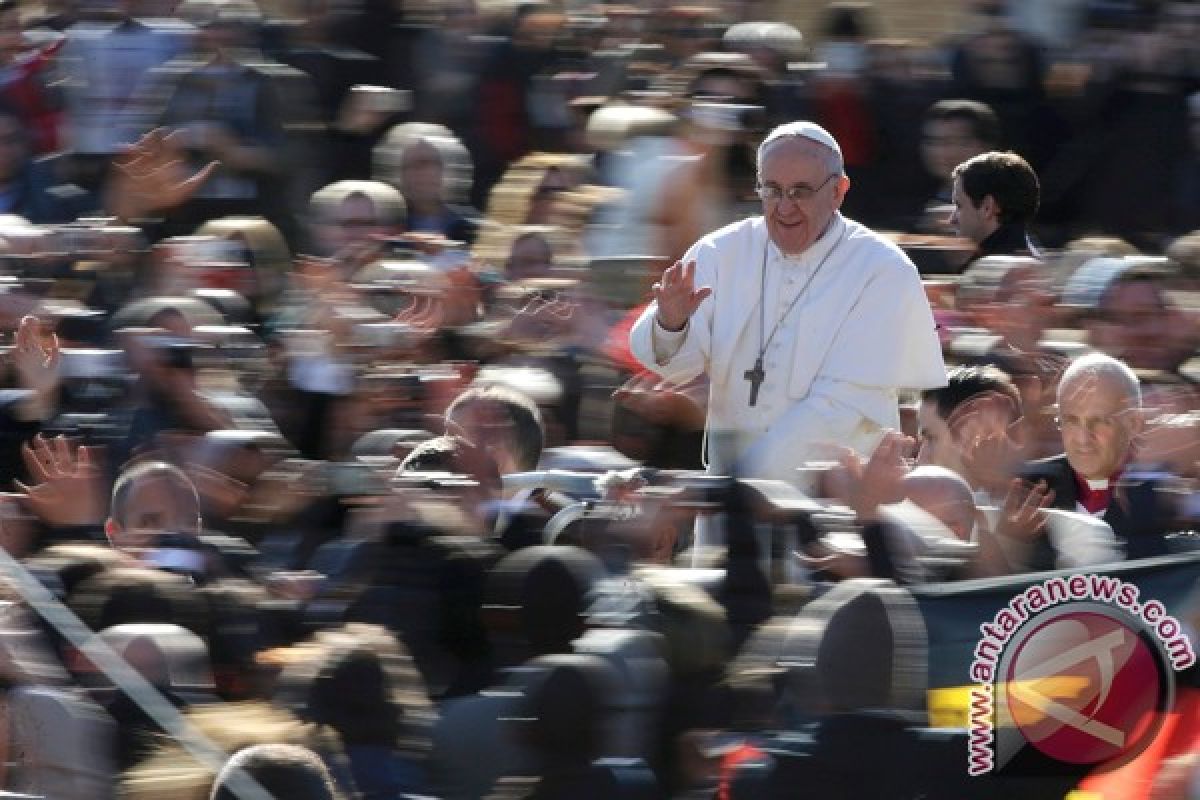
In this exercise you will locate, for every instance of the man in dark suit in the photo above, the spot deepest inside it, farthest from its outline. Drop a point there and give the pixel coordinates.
(1100, 416)
(995, 197)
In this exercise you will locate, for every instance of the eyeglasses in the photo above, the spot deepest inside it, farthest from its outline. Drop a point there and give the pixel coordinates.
(1092, 425)
(800, 193)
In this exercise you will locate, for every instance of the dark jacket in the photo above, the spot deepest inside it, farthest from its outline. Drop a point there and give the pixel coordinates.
(1137, 514)
(39, 194)
(1010, 239)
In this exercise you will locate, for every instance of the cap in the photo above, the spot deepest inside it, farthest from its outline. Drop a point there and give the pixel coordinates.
(806, 130)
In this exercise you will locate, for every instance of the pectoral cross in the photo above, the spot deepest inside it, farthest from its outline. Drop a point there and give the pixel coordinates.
(756, 376)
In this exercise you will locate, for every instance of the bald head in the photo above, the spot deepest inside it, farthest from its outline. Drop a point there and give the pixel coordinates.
(1100, 370)
(943, 494)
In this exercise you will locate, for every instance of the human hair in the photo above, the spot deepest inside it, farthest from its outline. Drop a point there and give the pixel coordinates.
(128, 595)
(952, 489)
(965, 383)
(985, 125)
(522, 433)
(284, 770)
(457, 168)
(1185, 251)
(990, 279)
(706, 72)
(513, 199)
(181, 486)
(171, 771)
(846, 19)
(546, 589)
(265, 248)
(566, 706)
(387, 201)
(1005, 176)
(529, 233)
(360, 681)
(1102, 366)
(1111, 246)
(455, 455)
(1153, 272)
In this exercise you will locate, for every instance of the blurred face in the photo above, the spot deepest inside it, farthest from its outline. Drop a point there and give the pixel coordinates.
(1138, 327)
(794, 225)
(487, 426)
(421, 174)
(541, 205)
(1099, 422)
(1022, 309)
(972, 222)
(938, 446)
(530, 258)
(946, 143)
(943, 502)
(152, 509)
(355, 222)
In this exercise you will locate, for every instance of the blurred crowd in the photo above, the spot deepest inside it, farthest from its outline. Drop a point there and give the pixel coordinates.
(319, 408)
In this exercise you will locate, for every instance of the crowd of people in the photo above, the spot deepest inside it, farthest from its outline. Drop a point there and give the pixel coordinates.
(432, 400)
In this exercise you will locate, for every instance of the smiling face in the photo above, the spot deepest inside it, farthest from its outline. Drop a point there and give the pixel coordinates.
(794, 225)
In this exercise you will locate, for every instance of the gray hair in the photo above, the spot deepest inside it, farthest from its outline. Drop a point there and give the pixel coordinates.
(457, 168)
(1102, 366)
(182, 489)
(283, 770)
(387, 200)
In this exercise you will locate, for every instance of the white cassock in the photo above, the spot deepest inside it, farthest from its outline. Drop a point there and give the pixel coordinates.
(860, 331)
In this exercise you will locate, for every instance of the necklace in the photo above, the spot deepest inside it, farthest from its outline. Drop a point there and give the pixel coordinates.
(756, 375)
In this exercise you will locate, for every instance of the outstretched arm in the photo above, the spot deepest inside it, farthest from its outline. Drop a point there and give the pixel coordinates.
(152, 177)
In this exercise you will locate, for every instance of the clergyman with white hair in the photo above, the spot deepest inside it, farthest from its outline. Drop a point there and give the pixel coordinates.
(1100, 418)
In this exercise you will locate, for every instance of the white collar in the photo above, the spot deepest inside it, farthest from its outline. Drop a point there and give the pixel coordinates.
(1097, 486)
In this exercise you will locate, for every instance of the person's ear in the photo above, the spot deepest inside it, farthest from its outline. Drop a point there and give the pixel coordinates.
(1137, 422)
(112, 529)
(1018, 432)
(989, 207)
(843, 186)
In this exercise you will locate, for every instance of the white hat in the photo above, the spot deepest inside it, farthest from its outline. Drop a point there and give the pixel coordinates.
(803, 129)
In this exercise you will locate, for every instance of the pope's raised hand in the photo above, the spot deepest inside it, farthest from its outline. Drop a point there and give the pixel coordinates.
(677, 295)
